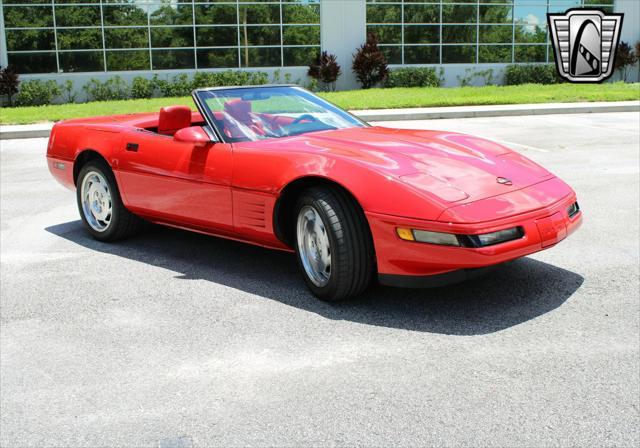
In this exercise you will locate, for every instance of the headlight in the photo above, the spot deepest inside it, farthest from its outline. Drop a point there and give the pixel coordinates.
(501, 236)
(425, 236)
(450, 239)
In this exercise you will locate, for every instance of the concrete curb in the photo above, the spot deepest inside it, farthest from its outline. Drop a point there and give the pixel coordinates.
(434, 113)
(427, 113)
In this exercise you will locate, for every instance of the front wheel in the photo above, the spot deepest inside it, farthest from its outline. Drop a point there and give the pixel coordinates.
(333, 244)
(100, 205)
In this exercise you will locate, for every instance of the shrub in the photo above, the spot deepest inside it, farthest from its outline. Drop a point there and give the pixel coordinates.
(625, 59)
(413, 77)
(258, 78)
(179, 85)
(36, 92)
(369, 63)
(312, 85)
(325, 68)
(141, 87)
(9, 83)
(531, 74)
(69, 94)
(278, 78)
(112, 89)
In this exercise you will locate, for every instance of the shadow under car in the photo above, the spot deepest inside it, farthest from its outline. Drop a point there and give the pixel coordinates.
(509, 295)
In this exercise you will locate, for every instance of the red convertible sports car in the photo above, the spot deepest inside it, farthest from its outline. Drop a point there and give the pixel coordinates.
(280, 167)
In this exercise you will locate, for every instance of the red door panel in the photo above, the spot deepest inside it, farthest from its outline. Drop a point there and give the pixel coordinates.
(176, 181)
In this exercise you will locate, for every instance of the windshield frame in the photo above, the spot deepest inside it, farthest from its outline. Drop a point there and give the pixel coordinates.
(207, 114)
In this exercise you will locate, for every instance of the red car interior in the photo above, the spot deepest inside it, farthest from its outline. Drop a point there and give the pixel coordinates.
(240, 111)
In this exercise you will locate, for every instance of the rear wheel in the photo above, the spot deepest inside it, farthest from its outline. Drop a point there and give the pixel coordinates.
(101, 209)
(333, 244)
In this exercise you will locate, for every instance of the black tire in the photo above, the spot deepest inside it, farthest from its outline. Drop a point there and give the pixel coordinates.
(352, 252)
(122, 223)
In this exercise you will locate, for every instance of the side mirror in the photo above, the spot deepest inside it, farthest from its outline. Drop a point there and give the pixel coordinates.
(194, 134)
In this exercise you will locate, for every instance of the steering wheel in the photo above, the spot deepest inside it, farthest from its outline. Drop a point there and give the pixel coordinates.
(304, 117)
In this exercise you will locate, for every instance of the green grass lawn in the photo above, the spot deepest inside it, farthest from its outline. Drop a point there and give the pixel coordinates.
(358, 100)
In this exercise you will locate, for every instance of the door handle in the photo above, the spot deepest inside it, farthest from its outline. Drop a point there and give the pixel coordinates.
(132, 147)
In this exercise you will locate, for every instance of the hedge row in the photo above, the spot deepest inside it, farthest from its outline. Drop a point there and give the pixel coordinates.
(37, 92)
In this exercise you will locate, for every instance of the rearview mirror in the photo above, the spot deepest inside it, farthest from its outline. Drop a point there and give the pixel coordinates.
(194, 134)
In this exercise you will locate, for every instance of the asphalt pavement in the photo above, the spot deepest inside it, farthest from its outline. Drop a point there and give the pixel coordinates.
(174, 339)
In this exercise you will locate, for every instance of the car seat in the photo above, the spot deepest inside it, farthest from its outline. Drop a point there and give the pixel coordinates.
(173, 118)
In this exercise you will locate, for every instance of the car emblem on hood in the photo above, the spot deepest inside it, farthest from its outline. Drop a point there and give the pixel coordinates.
(504, 181)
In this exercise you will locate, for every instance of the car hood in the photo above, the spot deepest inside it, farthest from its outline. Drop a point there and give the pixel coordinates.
(453, 167)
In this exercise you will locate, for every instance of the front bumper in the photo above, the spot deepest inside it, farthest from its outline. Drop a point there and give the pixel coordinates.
(408, 263)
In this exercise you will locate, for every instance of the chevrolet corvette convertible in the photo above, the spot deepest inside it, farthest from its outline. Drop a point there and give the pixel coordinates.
(279, 167)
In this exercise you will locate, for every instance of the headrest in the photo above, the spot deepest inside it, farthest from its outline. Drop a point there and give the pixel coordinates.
(173, 118)
(238, 109)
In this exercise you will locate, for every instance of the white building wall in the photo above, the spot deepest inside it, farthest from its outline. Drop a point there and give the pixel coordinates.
(630, 32)
(3, 40)
(343, 30)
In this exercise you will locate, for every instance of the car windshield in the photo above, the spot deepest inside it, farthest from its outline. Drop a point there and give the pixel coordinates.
(258, 113)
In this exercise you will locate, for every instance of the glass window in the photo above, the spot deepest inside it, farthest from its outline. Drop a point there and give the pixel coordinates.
(259, 14)
(563, 5)
(172, 37)
(299, 56)
(218, 58)
(422, 54)
(248, 114)
(301, 14)
(172, 59)
(128, 60)
(77, 16)
(531, 14)
(384, 14)
(219, 36)
(386, 34)
(530, 34)
(81, 61)
(496, 34)
(496, 14)
(216, 14)
(25, 2)
(459, 13)
(259, 35)
(79, 38)
(260, 57)
(30, 40)
(125, 15)
(457, 54)
(126, 37)
(28, 16)
(301, 35)
(392, 53)
(171, 14)
(422, 13)
(27, 63)
(494, 53)
(453, 34)
(530, 53)
(422, 34)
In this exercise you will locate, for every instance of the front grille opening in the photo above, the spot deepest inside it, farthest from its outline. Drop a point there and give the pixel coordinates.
(573, 209)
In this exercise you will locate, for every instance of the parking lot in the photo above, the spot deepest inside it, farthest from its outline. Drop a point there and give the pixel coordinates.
(179, 339)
